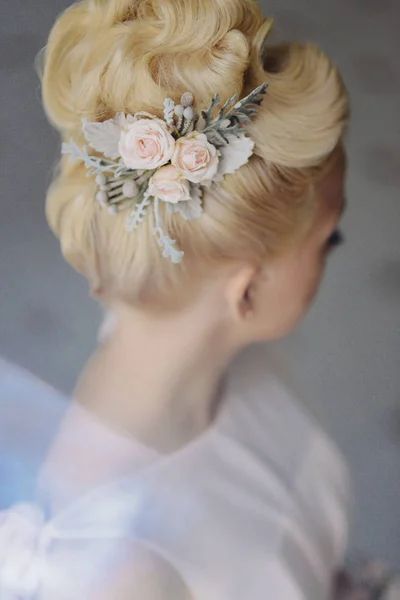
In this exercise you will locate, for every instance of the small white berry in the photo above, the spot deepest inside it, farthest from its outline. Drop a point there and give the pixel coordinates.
(101, 179)
(187, 99)
(179, 109)
(189, 113)
(130, 189)
(225, 123)
(102, 198)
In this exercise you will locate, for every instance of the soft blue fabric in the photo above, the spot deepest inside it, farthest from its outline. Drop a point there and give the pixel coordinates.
(30, 414)
(263, 482)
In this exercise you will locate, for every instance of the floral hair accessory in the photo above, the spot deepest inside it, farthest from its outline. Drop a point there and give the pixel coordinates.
(147, 160)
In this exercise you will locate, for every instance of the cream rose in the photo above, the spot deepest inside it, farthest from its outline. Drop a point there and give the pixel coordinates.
(146, 144)
(195, 157)
(168, 185)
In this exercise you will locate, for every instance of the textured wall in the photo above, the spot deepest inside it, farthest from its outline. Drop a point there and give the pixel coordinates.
(348, 350)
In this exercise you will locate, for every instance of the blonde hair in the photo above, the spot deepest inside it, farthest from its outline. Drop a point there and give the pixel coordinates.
(105, 56)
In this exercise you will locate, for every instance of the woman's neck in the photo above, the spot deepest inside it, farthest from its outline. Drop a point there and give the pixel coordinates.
(157, 378)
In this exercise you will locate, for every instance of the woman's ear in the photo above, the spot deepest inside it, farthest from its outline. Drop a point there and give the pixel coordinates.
(240, 292)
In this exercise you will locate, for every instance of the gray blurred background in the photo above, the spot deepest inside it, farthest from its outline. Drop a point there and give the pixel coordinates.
(347, 352)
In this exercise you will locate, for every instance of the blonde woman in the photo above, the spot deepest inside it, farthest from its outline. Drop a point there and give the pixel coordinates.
(181, 471)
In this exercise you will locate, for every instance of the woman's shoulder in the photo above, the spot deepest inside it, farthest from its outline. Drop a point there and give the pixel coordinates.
(268, 403)
(273, 418)
(266, 371)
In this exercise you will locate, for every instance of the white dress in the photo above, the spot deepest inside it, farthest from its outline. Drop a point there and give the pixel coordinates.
(255, 508)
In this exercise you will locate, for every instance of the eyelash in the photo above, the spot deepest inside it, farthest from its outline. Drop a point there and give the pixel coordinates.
(336, 239)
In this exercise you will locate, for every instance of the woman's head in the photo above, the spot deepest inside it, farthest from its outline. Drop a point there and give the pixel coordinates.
(282, 292)
(106, 56)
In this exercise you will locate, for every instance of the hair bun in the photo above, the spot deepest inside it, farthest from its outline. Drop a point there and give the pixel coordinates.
(128, 55)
